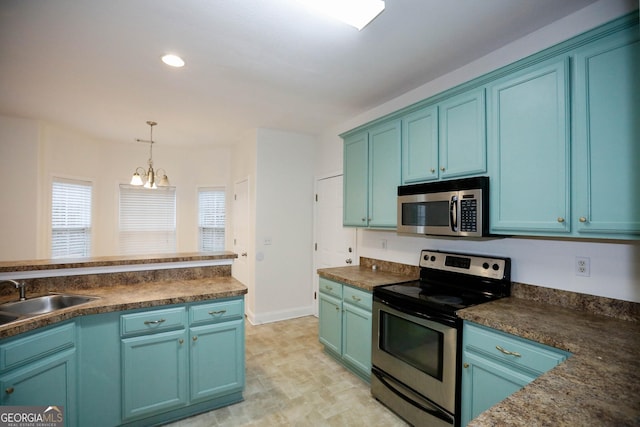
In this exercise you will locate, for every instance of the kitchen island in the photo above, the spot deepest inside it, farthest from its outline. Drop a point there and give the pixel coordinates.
(162, 340)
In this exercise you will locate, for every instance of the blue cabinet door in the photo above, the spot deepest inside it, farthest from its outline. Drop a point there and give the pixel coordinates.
(216, 359)
(607, 137)
(529, 151)
(420, 146)
(330, 322)
(485, 383)
(47, 382)
(462, 127)
(356, 339)
(356, 180)
(384, 174)
(154, 373)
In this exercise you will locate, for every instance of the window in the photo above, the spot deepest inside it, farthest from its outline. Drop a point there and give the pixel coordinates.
(211, 219)
(147, 220)
(70, 218)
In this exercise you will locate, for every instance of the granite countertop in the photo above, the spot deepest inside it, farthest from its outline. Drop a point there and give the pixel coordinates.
(128, 297)
(598, 385)
(106, 261)
(365, 277)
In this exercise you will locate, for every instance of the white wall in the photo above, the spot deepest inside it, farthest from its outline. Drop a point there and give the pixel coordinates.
(615, 266)
(42, 150)
(284, 225)
(20, 172)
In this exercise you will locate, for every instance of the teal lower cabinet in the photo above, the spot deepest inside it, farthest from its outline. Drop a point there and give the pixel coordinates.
(496, 365)
(39, 369)
(139, 367)
(345, 325)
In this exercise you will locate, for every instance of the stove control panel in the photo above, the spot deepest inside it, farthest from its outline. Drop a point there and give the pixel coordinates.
(475, 265)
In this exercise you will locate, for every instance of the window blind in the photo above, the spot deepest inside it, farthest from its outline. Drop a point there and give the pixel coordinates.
(70, 218)
(147, 220)
(211, 219)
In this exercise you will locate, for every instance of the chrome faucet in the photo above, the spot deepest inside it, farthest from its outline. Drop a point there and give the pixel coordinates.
(18, 285)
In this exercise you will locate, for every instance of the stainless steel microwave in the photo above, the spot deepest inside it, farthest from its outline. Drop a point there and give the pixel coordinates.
(458, 207)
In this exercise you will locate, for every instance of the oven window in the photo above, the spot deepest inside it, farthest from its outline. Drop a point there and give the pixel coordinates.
(431, 214)
(412, 343)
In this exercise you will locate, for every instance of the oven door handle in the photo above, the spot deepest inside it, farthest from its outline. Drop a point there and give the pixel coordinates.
(430, 409)
(437, 319)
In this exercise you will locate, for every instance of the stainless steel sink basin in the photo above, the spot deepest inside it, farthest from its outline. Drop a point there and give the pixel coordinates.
(42, 305)
(7, 318)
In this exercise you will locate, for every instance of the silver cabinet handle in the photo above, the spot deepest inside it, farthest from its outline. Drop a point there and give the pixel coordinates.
(442, 169)
(560, 219)
(355, 298)
(195, 338)
(582, 219)
(348, 260)
(243, 254)
(154, 322)
(213, 313)
(432, 170)
(181, 341)
(507, 352)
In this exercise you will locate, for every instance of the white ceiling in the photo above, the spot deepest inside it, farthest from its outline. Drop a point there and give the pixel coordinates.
(94, 65)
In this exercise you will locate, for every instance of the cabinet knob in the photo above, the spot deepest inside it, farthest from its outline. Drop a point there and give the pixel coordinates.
(243, 254)
(337, 308)
(432, 170)
(364, 219)
(9, 390)
(442, 169)
(181, 341)
(465, 366)
(348, 260)
(560, 219)
(195, 338)
(582, 219)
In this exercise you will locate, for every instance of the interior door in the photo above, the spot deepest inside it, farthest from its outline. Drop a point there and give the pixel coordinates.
(240, 269)
(335, 244)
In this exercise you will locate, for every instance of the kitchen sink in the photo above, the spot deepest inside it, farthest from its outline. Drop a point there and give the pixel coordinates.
(41, 305)
(7, 318)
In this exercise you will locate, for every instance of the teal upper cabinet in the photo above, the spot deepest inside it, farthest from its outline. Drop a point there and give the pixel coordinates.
(356, 181)
(420, 146)
(371, 176)
(446, 140)
(606, 149)
(529, 150)
(462, 135)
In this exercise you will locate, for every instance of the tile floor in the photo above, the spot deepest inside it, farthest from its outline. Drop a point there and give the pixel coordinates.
(292, 382)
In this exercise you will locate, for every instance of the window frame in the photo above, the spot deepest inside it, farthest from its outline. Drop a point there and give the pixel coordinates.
(214, 229)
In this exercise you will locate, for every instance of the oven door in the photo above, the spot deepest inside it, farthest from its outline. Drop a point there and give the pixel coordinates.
(430, 213)
(417, 352)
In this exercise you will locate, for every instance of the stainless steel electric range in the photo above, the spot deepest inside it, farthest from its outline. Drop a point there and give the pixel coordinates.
(417, 336)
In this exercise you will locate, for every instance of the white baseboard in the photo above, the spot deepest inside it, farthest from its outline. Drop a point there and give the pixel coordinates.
(276, 316)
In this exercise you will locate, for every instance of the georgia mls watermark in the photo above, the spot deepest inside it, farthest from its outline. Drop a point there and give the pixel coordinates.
(31, 416)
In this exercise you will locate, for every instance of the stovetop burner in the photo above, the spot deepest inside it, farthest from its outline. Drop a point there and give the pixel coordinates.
(450, 282)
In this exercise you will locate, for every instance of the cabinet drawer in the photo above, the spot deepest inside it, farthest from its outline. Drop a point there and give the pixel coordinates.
(153, 321)
(216, 311)
(25, 350)
(512, 350)
(330, 287)
(358, 297)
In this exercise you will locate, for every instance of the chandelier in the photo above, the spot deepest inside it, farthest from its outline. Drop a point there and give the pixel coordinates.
(148, 178)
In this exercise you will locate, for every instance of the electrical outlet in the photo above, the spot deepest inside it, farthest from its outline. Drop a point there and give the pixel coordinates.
(583, 266)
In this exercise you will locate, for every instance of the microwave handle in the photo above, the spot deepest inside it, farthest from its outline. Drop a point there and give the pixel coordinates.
(453, 213)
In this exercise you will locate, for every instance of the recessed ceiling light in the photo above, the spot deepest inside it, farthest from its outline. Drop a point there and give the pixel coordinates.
(173, 60)
(357, 13)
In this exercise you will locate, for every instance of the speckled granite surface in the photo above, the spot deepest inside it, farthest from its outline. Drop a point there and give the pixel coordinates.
(51, 264)
(598, 385)
(127, 297)
(364, 277)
